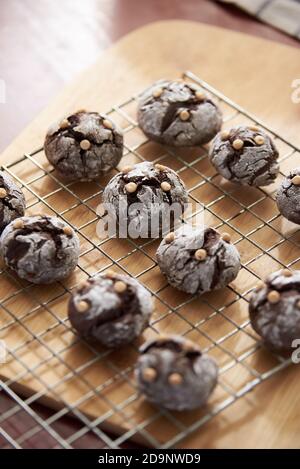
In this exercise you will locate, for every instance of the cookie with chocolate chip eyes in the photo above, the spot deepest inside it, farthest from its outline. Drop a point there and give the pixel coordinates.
(145, 200)
(110, 308)
(245, 155)
(83, 146)
(12, 201)
(198, 261)
(178, 114)
(274, 309)
(40, 249)
(288, 196)
(173, 373)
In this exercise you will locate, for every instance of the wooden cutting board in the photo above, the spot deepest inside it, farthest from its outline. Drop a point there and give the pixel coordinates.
(256, 74)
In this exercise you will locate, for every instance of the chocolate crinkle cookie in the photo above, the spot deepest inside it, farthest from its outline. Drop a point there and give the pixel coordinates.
(198, 260)
(12, 201)
(178, 114)
(288, 197)
(83, 146)
(40, 249)
(172, 373)
(112, 309)
(275, 309)
(245, 155)
(145, 200)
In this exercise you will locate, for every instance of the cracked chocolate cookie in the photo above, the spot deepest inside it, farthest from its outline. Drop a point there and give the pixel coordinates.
(145, 200)
(12, 201)
(172, 373)
(112, 309)
(245, 155)
(178, 114)
(274, 309)
(198, 261)
(40, 249)
(83, 146)
(288, 197)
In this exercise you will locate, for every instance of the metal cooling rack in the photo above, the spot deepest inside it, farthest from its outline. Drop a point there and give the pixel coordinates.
(257, 229)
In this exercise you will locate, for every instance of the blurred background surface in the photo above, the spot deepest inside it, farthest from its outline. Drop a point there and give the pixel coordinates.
(45, 43)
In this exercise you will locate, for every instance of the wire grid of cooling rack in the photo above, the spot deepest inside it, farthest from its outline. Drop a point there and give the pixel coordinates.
(93, 400)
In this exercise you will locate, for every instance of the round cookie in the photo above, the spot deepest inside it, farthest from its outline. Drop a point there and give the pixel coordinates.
(40, 249)
(178, 114)
(83, 146)
(245, 155)
(198, 261)
(12, 201)
(145, 200)
(274, 310)
(111, 309)
(288, 196)
(172, 373)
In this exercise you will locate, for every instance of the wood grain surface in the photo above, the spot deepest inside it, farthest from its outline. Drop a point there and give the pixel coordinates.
(256, 74)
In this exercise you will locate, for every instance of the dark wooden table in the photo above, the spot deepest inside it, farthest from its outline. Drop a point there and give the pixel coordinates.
(43, 45)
